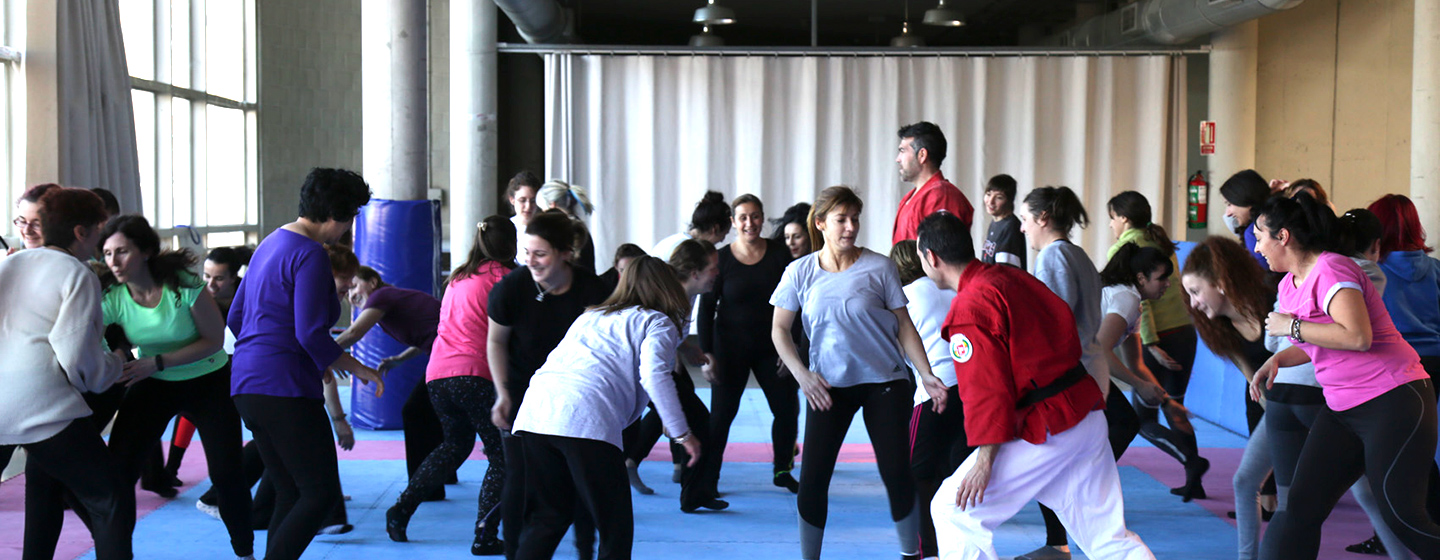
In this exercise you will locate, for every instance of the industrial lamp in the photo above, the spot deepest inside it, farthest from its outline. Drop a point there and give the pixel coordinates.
(712, 14)
(944, 17)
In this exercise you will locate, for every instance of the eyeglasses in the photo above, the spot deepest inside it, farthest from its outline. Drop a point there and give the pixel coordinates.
(23, 224)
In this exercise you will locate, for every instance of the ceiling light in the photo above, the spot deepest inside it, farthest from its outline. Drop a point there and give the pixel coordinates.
(942, 16)
(715, 15)
(905, 39)
(706, 39)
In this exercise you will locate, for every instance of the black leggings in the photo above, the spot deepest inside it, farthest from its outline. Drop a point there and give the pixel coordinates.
(45, 513)
(262, 506)
(1178, 440)
(937, 447)
(886, 407)
(780, 393)
(423, 432)
(76, 460)
(1391, 440)
(463, 406)
(1124, 425)
(146, 412)
(697, 484)
(512, 502)
(568, 475)
(294, 438)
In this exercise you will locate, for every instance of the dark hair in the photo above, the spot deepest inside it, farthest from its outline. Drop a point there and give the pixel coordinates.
(1359, 229)
(342, 260)
(830, 200)
(233, 258)
(1302, 185)
(796, 214)
(333, 194)
(556, 228)
(691, 256)
(367, 274)
(33, 194)
(494, 242)
(1005, 184)
(522, 179)
(169, 268)
(945, 236)
(1134, 207)
(1131, 260)
(907, 261)
(62, 209)
(112, 204)
(1400, 225)
(1228, 265)
(1060, 206)
(1311, 224)
(926, 136)
(710, 212)
(747, 199)
(628, 251)
(1246, 188)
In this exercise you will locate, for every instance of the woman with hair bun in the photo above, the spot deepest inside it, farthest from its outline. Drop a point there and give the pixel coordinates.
(574, 201)
(709, 222)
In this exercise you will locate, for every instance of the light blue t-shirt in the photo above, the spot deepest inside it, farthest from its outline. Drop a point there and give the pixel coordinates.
(849, 317)
(1067, 270)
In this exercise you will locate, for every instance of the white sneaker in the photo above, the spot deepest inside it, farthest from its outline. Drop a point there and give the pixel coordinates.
(207, 509)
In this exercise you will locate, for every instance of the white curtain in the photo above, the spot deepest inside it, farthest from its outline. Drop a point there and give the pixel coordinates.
(96, 120)
(650, 134)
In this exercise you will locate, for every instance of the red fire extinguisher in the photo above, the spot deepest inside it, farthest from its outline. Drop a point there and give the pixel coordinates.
(1199, 193)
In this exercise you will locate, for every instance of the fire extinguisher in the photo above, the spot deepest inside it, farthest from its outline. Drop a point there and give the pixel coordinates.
(1199, 193)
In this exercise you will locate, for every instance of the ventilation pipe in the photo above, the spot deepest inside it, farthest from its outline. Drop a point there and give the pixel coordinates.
(539, 21)
(1166, 22)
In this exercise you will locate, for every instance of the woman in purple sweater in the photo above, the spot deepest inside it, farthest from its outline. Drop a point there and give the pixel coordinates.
(281, 316)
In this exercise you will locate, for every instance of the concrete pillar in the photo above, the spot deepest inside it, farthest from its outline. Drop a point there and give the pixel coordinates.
(473, 136)
(1234, 58)
(395, 98)
(1425, 117)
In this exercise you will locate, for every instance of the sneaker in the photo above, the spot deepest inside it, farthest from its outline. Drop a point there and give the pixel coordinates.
(712, 503)
(207, 509)
(487, 547)
(395, 523)
(1045, 553)
(1370, 546)
(336, 529)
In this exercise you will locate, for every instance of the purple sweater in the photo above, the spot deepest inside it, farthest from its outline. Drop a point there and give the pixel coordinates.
(281, 318)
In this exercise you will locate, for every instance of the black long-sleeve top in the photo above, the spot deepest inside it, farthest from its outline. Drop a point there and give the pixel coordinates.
(736, 315)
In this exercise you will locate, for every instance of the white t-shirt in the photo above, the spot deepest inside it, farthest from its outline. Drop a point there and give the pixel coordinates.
(1122, 300)
(928, 307)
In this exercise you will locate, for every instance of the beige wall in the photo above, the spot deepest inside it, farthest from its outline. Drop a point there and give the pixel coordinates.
(1334, 97)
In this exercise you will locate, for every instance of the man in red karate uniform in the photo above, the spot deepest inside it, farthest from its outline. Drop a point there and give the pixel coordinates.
(922, 148)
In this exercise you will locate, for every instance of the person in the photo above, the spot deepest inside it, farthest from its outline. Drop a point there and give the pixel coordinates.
(574, 201)
(937, 439)
(790, 230)
(51, 337)
(1379, 415)
(521, 194)
(1031, 410)
(734, 317)
(709, 222)
(27, 223)
(612, 360)
(1004, 244)
(460, 387)
(1168, 339)
(624, 255)
(112, 204)
(1359, 239)
(181, 368)
(921, 151)
(530, 310)
(860, 333)
(1244, 193)
(281, 316)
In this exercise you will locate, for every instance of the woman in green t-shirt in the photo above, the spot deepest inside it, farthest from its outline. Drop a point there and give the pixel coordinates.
(175, 324)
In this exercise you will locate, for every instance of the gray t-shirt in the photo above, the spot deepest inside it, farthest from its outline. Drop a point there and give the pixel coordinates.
(1068, 272)
(854, 334)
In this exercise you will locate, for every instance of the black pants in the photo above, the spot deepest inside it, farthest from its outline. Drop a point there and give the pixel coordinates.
(205, 400)
(463, 406)
(76, 460)
(423, 432)
(45, 515)
(562, 469)
(1391, 440)
(512, 502)
(937, 447)
(293, 435)
(1178, 440)
(780, 392)
(262, 506)
(697, 484)
(1124, 425)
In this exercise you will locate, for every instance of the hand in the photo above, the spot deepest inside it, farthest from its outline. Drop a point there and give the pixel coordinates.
(137, 371)
(1278, 324)
(1151, 394)
(385, 364)
(709, 367)
(816, 389)
(1264, 375)
(501, 412)
(368, 376)
(1173, 409)
(1277, 185)
(972, 487)
(692, 446)
(939, 393)
(1163, 357)
(344, 434)
(336, 373)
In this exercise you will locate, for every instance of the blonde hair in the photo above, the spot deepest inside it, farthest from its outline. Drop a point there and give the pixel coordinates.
(570, 198)
(830, 199)
(649, 283)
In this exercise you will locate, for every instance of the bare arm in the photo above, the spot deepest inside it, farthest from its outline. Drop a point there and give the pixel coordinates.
(362, 324)
(817, 390)
(915, 348)
(1350, 331)
(1112, 329)
(211, 328)
(387, 363)
(497, 352)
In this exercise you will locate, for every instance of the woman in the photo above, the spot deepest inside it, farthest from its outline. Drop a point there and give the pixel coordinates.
(709, 222)
(174, 323)
(574, 201)
(27, 224)
(1244, 193)
(530, 309)
(458, 382)
(1412, 293)
(856, 319)
(1379, 415)
(521, 193)
(1169, 342)
(282, 314)
(585, 395)
(790, 230)
(50, 335)
(734, 317)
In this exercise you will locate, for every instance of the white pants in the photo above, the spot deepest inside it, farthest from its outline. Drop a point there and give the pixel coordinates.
(1072, 472)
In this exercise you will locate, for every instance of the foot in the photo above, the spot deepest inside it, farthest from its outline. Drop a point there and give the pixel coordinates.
(246, 557)
(487, 546)
(395, 523)
(1370, 546)
(207, 509)
(162, 489)
(712, 503)
(633, 471)
(1045, 553)
(675, 476)
(336, 529)
(784, 480)
(438, 495)
(1194, 488)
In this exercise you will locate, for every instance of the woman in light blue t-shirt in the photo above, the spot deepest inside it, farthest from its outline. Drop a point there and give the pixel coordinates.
(854, 314)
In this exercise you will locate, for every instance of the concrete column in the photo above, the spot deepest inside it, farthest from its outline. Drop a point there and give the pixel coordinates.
(395, 98)
(1233, 79)
(473, 91)
(1425, 117)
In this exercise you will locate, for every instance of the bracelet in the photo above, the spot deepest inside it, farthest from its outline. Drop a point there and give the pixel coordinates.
(1295, 331)
(685, 437)
(159, 362)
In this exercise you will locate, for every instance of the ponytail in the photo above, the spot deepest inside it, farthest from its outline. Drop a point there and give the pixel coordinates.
(1059, 206)
(1132, 260)
(1312, 225)
(1135, 208)
(495, 241)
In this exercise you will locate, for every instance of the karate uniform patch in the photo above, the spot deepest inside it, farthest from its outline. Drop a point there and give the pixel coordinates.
(961, 349)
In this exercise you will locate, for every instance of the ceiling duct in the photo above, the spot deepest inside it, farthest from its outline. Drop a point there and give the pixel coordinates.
(1165, 22)
(539, 21)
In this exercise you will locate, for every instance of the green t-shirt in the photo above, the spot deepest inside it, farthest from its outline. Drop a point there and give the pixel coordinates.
(165, 328)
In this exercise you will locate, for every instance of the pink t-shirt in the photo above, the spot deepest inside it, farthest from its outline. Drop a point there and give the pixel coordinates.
(464, 326)
(1350, 378)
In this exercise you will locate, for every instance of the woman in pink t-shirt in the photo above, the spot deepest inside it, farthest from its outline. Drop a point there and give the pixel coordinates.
(1379, 418)
(458, 379)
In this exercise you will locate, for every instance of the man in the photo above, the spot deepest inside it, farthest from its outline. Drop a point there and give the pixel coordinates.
(1034, 414)
(1004, 242)
(922, 148)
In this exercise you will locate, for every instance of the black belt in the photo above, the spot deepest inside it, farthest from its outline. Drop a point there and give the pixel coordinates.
(1059, 385)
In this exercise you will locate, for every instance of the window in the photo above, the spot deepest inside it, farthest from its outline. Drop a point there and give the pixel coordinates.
(192, 65)
(12, 126)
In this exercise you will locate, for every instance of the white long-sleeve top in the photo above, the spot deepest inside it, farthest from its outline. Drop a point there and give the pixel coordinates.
(51, 344)
(601, 376)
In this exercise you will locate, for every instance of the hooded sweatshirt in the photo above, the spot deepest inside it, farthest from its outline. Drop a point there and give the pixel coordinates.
(1412, 295)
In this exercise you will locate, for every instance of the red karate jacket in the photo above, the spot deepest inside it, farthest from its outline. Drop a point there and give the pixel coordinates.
(936, 194)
